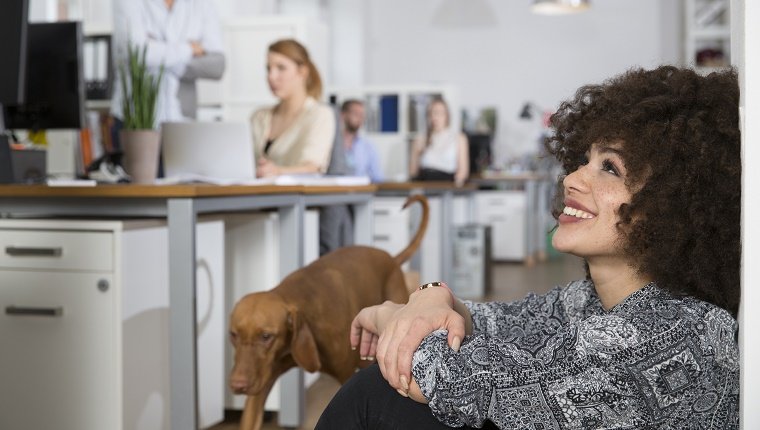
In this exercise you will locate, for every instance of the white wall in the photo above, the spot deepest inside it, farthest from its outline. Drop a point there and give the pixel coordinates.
(744, 42)
(522, 57)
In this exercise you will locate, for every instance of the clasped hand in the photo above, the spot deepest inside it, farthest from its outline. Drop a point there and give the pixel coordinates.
(392, 332)
(266, 168)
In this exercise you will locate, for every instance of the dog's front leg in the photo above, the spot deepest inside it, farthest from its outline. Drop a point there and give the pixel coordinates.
(253, 412)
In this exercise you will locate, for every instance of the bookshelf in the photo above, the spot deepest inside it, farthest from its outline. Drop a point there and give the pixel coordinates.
(707, 39)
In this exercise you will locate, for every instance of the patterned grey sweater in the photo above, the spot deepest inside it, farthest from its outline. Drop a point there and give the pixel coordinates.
(560, 361)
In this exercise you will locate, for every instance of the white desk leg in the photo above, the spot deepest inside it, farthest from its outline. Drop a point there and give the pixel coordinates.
(363, 223)
(183, 374)
(292, 392)
(447, 212)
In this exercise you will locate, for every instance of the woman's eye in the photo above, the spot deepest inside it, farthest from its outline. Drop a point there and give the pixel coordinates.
(609, 167)
(233, 336)
(266, 336)
(583, 160)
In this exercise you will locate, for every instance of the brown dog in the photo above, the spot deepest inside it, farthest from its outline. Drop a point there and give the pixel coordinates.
(305, 320)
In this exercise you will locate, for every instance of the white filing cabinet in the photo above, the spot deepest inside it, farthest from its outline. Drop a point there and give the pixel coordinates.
(505, 212)
(394, 228)
(391, 225)
(84, 324)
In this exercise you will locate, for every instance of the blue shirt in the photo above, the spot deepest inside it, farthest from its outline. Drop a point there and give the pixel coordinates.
(363, 161)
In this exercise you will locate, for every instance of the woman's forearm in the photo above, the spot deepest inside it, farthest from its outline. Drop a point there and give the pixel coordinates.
(307, 167)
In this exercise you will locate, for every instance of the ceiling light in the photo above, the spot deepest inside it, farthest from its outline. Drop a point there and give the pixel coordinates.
(559, 7)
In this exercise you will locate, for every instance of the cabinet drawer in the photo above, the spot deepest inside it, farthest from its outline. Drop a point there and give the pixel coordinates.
(59, 363)
(58, 250)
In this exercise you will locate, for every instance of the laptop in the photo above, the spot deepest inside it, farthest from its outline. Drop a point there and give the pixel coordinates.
(212, 152)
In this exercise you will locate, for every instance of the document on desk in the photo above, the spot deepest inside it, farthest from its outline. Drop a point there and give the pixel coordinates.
(295, 180)
(192, 178)
(322, 180)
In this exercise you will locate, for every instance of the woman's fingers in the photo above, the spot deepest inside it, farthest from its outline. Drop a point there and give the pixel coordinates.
(355, 334)
(366, 344)
(373, 348)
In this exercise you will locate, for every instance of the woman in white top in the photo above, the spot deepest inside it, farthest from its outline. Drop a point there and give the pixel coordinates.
(295, 135)
(443, 154)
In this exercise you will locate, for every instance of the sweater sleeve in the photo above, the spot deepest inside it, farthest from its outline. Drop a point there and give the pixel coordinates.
(318, 137)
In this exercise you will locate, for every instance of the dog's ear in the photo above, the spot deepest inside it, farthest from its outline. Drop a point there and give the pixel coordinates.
(302, 344)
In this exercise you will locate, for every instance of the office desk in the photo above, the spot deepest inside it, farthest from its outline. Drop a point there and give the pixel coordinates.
(181, 205)
(538, 188)
(446, 190)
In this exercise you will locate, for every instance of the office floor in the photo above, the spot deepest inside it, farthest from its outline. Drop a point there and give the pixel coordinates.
(511, 281)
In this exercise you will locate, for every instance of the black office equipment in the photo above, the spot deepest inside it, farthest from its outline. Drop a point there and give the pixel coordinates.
(13, 40)
(480, 152)
(54, 79)
(13, 34)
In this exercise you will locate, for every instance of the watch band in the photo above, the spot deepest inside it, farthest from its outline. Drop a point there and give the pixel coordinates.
(431, 284)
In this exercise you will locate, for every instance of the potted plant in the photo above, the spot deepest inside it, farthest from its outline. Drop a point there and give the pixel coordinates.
(139, 138)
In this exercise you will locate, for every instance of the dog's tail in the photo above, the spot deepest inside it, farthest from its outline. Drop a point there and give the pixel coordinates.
(407, 252)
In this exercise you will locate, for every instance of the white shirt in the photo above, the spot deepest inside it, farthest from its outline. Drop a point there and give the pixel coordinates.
(168, 34)
(442, 152)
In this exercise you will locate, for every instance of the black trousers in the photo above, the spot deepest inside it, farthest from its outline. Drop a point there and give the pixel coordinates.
(367, 402)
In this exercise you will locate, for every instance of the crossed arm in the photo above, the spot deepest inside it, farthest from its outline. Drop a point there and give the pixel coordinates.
(391, 333)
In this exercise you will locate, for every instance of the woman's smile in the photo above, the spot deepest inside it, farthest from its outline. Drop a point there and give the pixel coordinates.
(574, 212)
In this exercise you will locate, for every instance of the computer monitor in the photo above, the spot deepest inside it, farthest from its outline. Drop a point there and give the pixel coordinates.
(54, 79)
(480, 152)
(13, 34)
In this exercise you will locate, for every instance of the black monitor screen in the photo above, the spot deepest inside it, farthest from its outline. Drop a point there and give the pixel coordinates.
(13, 33)
(54, 82)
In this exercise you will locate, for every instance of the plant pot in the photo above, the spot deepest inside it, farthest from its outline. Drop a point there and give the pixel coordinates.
(141, 150)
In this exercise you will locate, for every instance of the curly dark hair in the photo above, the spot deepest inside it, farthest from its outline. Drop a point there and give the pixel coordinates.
(680, 141)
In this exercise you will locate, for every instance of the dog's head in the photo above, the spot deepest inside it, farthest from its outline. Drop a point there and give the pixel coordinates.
(268, 335)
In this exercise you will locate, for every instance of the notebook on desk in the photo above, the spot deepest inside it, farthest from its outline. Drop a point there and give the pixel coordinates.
(210, 152)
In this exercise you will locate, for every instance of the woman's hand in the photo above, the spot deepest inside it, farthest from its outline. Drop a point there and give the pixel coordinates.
(428, 310)
(367, 326)
(267, 168)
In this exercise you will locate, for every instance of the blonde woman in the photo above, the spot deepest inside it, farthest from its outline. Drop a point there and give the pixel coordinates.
(443, 154)
(295, 135)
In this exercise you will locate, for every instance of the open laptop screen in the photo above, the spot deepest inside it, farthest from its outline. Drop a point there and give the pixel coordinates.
(207, 151)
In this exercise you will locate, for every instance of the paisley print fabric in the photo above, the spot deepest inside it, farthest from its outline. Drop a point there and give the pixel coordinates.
(561, 361)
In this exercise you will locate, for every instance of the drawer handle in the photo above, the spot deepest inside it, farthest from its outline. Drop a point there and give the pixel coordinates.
(41, 312)
(381, 212)
(18, 251)
(381, 237)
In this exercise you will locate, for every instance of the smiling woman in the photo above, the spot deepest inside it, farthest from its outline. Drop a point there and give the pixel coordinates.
(650, 199)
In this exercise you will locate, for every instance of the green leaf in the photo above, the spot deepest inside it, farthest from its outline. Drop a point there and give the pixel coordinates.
(140, 90)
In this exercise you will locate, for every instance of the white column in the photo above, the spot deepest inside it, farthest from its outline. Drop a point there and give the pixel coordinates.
(744, 52)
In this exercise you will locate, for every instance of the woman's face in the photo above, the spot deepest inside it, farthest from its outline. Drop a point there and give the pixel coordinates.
(593, 195)
(438, 117)
(284, 75)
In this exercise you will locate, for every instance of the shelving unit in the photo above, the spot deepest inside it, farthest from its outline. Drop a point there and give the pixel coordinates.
(707, 41)
(395, 114)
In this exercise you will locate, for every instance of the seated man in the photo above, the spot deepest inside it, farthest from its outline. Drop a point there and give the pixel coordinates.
(361, 156)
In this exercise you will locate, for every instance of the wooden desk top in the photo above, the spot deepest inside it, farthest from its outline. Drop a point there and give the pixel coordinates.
(517, 177)
(425, 185)
(170, 191)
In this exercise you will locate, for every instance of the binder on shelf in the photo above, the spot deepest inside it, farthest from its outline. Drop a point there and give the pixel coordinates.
(389, 113)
